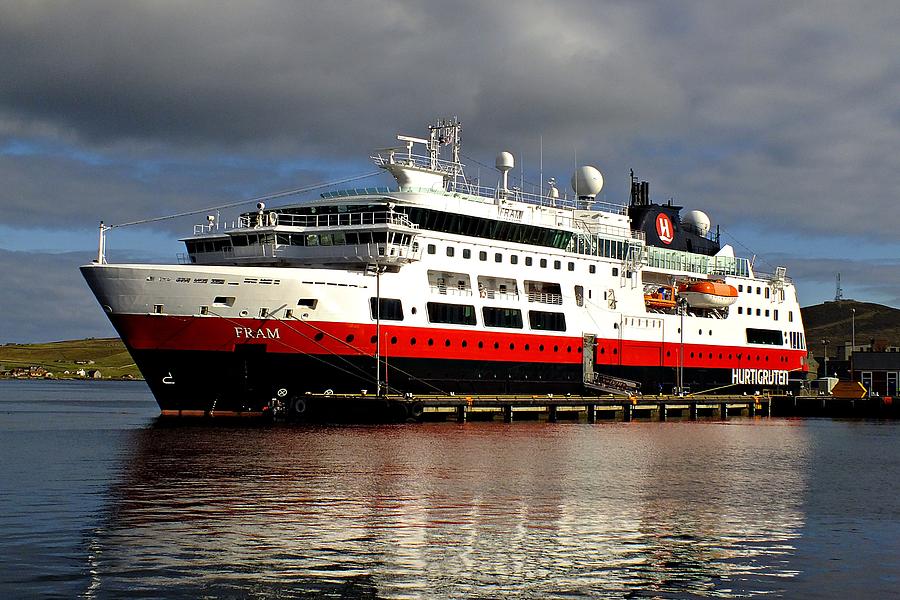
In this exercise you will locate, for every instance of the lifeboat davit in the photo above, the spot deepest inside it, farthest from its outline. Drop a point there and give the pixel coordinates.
(708, 294)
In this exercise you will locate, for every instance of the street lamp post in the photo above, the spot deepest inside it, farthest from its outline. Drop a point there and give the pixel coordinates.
(825, 355)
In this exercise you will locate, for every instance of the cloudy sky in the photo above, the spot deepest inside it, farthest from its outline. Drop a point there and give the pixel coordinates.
(781, 120)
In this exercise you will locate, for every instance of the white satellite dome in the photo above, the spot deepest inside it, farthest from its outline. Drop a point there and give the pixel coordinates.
(587, 181)
(696, 220)
(505, 162)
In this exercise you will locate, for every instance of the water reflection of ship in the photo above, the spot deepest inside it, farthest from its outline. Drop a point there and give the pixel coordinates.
(394, 511)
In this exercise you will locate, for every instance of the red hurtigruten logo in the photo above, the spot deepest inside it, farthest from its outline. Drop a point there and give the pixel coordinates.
(664, 228)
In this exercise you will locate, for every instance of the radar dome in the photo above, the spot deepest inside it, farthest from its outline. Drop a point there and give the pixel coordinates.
(587, 182)
(505, 161)
(696, 220)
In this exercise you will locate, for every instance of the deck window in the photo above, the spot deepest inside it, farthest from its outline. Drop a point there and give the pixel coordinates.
(547, 321)
(770, 337)
(457, 314)
(502, 317)
(388, 309)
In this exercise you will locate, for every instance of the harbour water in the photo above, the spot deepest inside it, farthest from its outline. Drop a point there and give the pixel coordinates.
(99, 499)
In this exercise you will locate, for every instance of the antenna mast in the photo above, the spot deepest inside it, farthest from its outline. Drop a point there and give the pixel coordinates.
(838, 292)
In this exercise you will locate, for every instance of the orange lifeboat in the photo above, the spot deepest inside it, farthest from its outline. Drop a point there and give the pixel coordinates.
(708, 294)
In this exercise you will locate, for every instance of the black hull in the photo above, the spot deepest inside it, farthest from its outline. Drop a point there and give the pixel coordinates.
(245, 382)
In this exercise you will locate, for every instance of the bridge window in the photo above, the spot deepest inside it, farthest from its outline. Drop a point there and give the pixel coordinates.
(528, 261)
(482, 255)
(450, 251)
(307, 302)
(432, 248)
(592, 269)
(543, 263)
(467, 253)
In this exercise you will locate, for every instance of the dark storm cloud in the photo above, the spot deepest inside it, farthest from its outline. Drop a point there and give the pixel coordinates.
(744, 108)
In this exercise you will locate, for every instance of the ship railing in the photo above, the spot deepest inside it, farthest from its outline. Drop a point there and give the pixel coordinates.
(350, 219)
(417, 160)
(499, 295)
(450, 290)
(541, 199)
(205, 228)
(350, 253)
(544, 298)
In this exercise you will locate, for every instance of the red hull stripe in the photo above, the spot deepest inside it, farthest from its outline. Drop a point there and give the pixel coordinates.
(149, 332)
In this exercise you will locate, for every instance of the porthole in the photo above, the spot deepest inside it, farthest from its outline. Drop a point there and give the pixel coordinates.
(465, 344)
(394, 339)
(568, 348)
(720, 356)
(319, 336)
(668, 353)
(481, 344)
(527, 347)
(556, 348)
(350, 338)
(602, 350)
(412, 341)
(615, 350)
(496, 345)
(579, 349)
(512, 346)
(413, 310)
(373, 339)
(700, 332)
(447, 343)
(692, 355)
(710, 355)
(430, 342)
(710, 332)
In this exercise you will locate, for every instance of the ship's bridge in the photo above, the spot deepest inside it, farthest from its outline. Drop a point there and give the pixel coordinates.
(363, 233)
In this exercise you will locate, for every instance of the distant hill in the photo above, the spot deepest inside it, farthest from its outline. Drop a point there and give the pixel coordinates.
(833, 321)
(109, 356)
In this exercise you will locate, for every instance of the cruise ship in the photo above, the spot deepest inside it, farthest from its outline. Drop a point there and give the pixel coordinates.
(437, 285)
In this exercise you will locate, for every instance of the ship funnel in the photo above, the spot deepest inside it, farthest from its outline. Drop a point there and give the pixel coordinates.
(504, 163)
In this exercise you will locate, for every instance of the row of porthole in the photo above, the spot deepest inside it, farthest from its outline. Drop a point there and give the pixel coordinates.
(413, 341)
(710, 355)
(465, 344)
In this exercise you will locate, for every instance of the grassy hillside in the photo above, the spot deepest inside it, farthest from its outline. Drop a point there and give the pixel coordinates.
(832, 321)
(109, 356)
